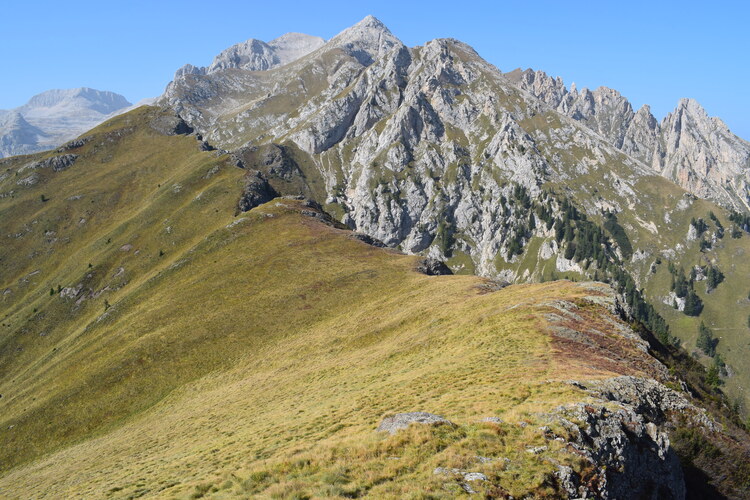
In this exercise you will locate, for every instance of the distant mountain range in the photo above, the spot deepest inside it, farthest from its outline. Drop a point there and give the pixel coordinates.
(54, 117)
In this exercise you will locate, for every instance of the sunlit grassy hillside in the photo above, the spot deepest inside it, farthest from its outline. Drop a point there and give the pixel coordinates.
(155, 343)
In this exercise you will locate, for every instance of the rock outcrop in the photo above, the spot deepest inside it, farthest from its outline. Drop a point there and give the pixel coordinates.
(433, 267)
(634, 458)
(256, 191)
(653, 400)
(394, 423)
(56, 163)
(168, 124)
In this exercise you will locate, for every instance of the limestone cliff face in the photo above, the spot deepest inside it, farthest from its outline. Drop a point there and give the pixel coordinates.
(694, 150)
(703, 156)
(421, 148)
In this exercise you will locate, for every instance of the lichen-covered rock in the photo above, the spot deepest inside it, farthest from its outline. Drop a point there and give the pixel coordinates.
(464, 477)
(632, 458)
(74, 144)
(655, 401)
(71, 292)
(395, 423)
(29, 180)
(56, 163)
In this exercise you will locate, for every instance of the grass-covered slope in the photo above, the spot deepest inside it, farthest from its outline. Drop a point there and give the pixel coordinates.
(359, 138)
(156, 343)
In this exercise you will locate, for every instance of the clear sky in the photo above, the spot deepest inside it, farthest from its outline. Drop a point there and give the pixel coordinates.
(653, 52)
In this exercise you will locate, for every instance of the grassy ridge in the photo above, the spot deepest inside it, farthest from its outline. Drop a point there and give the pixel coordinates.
(252, 354)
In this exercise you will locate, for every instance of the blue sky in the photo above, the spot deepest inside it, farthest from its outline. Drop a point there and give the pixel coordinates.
(652, 52)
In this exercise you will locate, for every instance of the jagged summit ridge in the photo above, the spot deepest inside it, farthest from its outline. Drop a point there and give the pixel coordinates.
(367, 40)
(689, 147)
(382, 118)
(257, 55)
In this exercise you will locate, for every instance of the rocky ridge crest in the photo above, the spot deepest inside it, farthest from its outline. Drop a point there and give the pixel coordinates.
(689, 147)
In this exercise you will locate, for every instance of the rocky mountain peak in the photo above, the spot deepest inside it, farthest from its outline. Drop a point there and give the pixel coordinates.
(644, 110)
(372, 22)
(252, 54)
(702, 155)
(367, 40)
(691, 105)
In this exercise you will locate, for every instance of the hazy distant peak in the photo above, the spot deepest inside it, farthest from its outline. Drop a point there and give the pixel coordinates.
(101, 101)
(12, 119)
(257, 55)
(55, 116)
(291, 46)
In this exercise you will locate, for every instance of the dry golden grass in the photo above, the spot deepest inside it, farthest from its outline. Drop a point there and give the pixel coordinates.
(256, 356)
